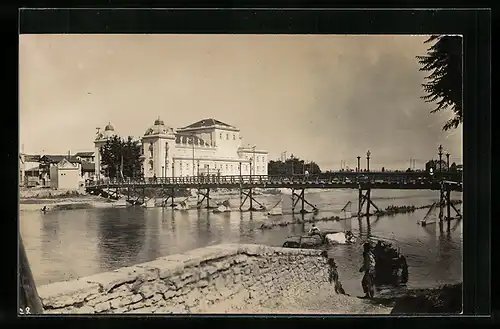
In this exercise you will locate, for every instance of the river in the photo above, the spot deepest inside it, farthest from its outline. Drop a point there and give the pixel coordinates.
(66, 245)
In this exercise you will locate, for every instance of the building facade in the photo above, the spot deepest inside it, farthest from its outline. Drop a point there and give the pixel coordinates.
(206, 147)
(65, 175)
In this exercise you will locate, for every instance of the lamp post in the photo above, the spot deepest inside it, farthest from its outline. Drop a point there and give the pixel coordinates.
(448, 161)
(358, 168)
(368, 153)
(192, 142)
(173, 174)
(440, 153)
(239, 167)
(253, 157)
(198, 168)
(251, 169)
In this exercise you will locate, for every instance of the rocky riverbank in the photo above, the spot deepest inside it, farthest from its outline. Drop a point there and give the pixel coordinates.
(446, 299)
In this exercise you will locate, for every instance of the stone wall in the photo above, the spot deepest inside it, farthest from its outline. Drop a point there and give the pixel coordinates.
(216, 279)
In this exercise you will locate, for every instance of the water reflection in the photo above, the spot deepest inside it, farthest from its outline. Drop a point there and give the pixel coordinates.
(122, 235)
(71, 244)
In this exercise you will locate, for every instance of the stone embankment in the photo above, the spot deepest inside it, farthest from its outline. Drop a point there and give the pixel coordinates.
(227, 278)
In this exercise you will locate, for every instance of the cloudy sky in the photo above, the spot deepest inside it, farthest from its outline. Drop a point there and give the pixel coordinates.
(322, 98)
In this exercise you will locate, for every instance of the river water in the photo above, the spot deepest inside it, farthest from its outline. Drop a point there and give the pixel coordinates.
(66, 245)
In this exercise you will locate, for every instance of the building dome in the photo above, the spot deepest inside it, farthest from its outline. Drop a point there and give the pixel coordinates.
(109, 127)
(159, 128)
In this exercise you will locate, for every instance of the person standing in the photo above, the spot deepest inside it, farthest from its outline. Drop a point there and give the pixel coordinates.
(333, 277)
(369, 269)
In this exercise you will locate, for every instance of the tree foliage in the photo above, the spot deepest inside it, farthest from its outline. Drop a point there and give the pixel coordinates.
(444, 83)
(292, 165)
(121, 156)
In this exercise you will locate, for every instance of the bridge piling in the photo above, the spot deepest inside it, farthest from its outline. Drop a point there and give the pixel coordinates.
(208, 198)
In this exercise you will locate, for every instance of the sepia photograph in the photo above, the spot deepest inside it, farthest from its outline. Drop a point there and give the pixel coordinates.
(240, 174)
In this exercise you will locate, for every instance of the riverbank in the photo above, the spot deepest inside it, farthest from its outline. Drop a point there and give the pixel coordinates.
(446, 299)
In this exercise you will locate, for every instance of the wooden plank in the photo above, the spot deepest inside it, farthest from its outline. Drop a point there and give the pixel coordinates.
(29, 301)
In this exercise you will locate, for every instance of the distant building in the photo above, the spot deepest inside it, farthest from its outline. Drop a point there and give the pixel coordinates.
(436, 165)
(86, 156)
(29, 167)
(49, 161)
(21, 169)
(65, 175)
(206, 147)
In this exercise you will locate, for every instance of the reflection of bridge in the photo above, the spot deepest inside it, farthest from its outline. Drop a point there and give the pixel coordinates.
(445, 182)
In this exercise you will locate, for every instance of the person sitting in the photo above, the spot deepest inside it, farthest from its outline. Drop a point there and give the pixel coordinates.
(314, 230)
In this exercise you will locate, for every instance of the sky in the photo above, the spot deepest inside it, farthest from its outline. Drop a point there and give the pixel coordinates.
(322, 98)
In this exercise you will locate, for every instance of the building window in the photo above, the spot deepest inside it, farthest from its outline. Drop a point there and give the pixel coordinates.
(220, 135)
(234, 137)
(231, 168)
(227, 136)
(227, 167)
(150, 165)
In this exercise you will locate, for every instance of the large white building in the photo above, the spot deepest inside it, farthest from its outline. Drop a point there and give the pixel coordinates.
(206, 147)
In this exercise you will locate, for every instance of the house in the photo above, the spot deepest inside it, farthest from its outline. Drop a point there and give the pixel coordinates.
(49, 161)
(65, 175)
(206, 147)
(88, 171)
(85, 156)
(29, 167)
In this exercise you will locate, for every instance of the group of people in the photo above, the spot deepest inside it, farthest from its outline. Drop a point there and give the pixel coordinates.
(368, 267)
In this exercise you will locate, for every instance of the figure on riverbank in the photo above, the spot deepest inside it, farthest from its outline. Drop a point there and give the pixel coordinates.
(333, 277)
(314, 230)
(369, 269)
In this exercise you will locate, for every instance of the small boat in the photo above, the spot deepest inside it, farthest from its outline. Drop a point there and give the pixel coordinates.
(335, 238)
(223, 207)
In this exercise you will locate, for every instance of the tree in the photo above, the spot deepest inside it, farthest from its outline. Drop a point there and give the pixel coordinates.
(119, 156)
(444, 83)
(293, 165)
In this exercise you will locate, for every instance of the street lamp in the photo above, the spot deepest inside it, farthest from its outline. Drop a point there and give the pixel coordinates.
(358, 169)
(440, 152)
(368, 160)
(253, 157)
(198, 168)
(192, 141)
(239, 167)
(448, 161)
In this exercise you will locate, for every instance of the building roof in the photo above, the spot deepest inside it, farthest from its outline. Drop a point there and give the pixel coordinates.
(158, 128)
(84, 154)
(90, 167)
(32, 169)
(109, 127)
(32, 158)
(205, 123)
(188, 139)
(59, 158)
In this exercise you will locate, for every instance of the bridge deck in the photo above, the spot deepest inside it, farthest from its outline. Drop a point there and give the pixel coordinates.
(403, 181)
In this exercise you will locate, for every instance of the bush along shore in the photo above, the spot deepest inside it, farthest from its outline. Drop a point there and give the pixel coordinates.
(389, 211)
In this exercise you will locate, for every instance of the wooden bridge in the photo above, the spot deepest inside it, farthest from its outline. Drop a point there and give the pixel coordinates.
(445, 182)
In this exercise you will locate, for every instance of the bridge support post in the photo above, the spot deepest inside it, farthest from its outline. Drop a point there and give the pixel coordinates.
(251, 199)
(365, 198)
(208, 198)
(301, 197)
(172, 194)
(442, 198)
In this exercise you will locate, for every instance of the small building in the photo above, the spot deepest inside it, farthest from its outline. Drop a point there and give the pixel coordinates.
(86, 156)
(21, 169)
(65, 175)
(49, 161)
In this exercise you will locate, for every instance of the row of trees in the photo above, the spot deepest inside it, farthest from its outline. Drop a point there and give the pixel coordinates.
(292, 165)
(121, 158)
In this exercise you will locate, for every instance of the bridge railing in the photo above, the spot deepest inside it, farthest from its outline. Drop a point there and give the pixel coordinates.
(323, 178)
